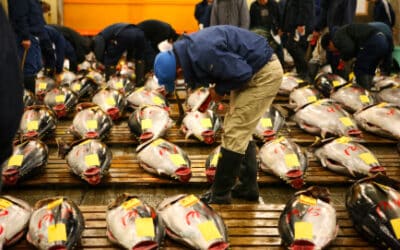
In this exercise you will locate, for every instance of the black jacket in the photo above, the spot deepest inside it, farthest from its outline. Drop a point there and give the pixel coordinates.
(380, 14)
(270, 19)
(336, 13)
(202, 13)
(157, 31)
(298, 13)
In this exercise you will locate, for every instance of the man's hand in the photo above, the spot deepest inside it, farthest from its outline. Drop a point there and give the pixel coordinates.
(301, 30)
(26, 44)
(214, 96)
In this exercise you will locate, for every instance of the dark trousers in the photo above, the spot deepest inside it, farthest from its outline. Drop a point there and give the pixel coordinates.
(297, 49)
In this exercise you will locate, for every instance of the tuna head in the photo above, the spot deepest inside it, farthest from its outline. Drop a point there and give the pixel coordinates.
(300, 97)
(110, 101)
(91, 122)
(121, 84)
(27, 158)
(36, 122)
(149, 122)
(61, 100)
(84, 87)
(203, 126)
(56, 224)
(391, 95)
(190, 221)
(142, 97)
(270, 123)
(199, 100)
(211, 163)
(164, 158)
(347, 157)
(133, 224)
(284, 159)
(289, 83)
(67, 77)
(327, 83)
(90, 159)
(42, 86)
(152, 84)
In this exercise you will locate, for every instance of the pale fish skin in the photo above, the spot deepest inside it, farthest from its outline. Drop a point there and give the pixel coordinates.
(122, 84)
(110, 101)
(197, 98)
(61, 100)
(203, 126)
(300, 97)
(391, 95)
(289, 83)
(142, 97)
(37, 121)
(353, 98)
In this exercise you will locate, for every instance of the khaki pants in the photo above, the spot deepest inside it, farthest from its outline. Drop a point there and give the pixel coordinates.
(247, 106)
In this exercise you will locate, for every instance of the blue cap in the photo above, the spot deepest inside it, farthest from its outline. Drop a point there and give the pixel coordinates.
(165, 69)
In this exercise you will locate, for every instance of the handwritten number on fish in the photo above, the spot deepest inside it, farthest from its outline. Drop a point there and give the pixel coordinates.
(352, 148)
(313, 211)
(386, 205)
(191, 214)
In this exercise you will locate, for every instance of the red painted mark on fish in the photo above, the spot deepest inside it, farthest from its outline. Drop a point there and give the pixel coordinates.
(352, 148)
(191, 213)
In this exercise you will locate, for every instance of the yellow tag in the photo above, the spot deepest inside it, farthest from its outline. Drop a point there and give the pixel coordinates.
(91, 124)
(157, 100)
(343, 140)
(382, 186)
(299, 80)
(92, 160)
(335, 83)
(144, 227)
(177, 159)
(189, 200)
(119, 85)
(146, 123)
(307, 200)
(56, 232)
(382, 104)
(346, 121)
(84, 142)
(110, 101)
(33, 125)
(55, 203)
(351, 76)
(303, 231)
(279, 140)
(396, 227)
(319, 102)
(291, 160)
(215, 158)
(208, 230)
(76, 87)
(364, 98)
(312, 98)
(42, 85)
(60, 98)
(157, 142)
(368, 158)
(15, 160)
(206, 123)
(4, 204)
(266, 122)
(131, 203)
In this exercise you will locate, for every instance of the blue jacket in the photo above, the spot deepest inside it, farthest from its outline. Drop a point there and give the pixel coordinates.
(59, 43)
(380, 14)
(336, 13)
(202, 13)
(229, 59)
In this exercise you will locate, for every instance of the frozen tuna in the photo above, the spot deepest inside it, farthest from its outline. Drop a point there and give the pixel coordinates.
(300, 97)
(289, 83)
(61, 100)
(203, 126)
(151, 83)
(37, 121)
(110, 101)
(67, 77)
(42, 86)
(269, 124)
(198, 100)
(122, 84)
(142, 97)
(29, 98)
(391, 95)
(327, 83)
(353, 98)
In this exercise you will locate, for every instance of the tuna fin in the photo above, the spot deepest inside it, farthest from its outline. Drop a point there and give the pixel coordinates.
(120, 199)
(63, 147)
(180, 109)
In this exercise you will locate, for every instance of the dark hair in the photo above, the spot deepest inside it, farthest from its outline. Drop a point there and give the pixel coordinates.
(325, 40)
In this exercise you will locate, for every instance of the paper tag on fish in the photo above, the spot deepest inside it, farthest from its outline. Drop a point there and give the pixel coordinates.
(110, 101)
(343, 140)
(15, 160)
(346, 121)
(57, 232)
(189, 200)
(55, 203)
(279, 140)
(157, 100)
(60, 98)
(215, 159)
(312, 98)
(146, 124)
(396, 227)
(76, 87)
(84, 142)
(303, 231)
(335, 83)
(119, 85)
(177, 159)
(206, 123)
(368, 158)
(32, 125)
(91, 124)
(307, 200)
(131, 203)
(382, 104)
(157, 142)
(4, 204)
(144, 227)
(299, 80)
(292, 160)
(364, 98)
(42, 85)
(266, 122)
(92, 160)
(351, 76)
(208, 230)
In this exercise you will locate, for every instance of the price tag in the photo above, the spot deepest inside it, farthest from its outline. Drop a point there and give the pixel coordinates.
(32, 125)
(382, 104)
(57, 232)
(307, 200)
(110, 101)
(396, 227)
(346, 121)
(157, 142)
(368, 158)
(76, 87)
(60, 98)
(55, 203)
(335, 83)
(292, 160)
(92, 160)
(343, 140)
(177, 159)
(351, 76)
(15, 160)
(206, 123)
(144, 227)
(299, 80)
(91, 124)
(364, 98)
(279, 140)
(215, 159)
(42, 86)
(303, 231)
(312, 98)
(157, 100)
(84, 142)
(189, 200)
(119, 85)
(208, 230)
(266, 122)
(4, 204)
(131, 203)
(146, 124)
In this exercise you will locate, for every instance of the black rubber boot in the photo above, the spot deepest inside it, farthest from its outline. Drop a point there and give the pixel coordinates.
(140, 72)
(365, 81)
(29, 83)
(225, 178)
(313, 70)
(247, 188)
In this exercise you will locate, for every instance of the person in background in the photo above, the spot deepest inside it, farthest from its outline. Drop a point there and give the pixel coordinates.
(383, 12)
(111, 43)
(230, 12)
(11, 88)
(242, 64)
(202, 13)
(370, 43)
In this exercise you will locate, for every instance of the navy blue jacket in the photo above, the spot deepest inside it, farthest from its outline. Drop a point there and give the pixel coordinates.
(380, 14)
(336, 13)
(59, 43)
(298, 13)
(270, 21)
(157, 31)
(110, 32)
(229, 59)
(202, 13)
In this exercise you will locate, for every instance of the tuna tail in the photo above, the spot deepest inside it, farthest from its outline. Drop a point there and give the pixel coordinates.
(63, 147)
(317, 192)
(180, 109)
(121, 199)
